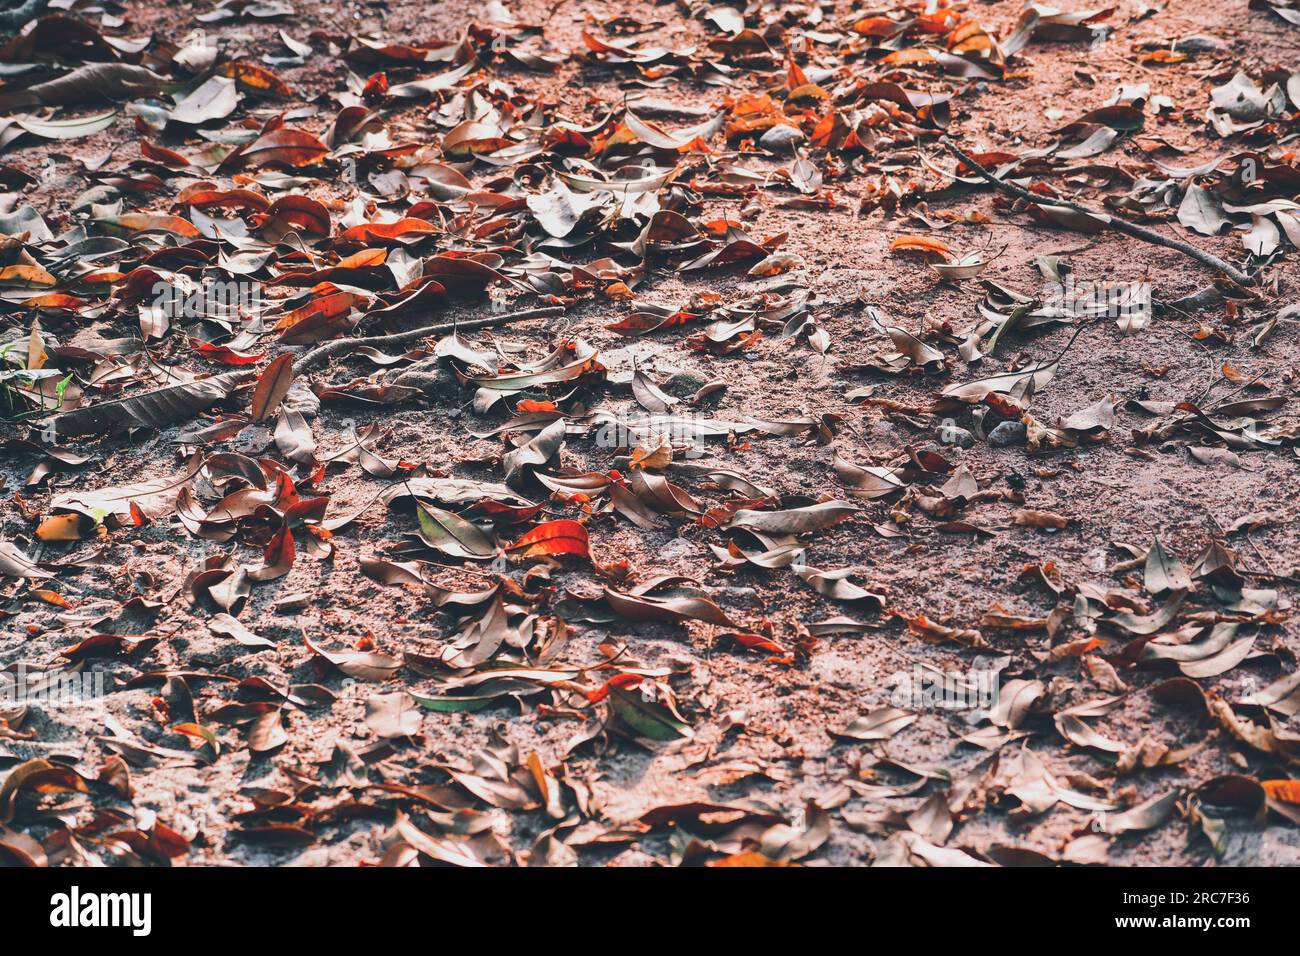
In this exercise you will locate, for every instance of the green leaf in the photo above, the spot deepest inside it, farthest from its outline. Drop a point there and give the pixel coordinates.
(452, 534)
(1009, 323)
(451, 705)
(647, 719)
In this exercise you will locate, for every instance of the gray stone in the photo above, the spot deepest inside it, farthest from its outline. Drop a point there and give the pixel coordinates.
(678, 548)
(740, 595)
(1007, 433)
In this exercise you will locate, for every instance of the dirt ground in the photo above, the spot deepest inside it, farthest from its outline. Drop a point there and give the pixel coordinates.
(762, 776)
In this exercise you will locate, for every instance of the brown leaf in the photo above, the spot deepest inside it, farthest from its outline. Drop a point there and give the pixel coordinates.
(272, 385)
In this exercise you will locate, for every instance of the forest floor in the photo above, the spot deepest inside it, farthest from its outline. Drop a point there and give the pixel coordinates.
(467, 672)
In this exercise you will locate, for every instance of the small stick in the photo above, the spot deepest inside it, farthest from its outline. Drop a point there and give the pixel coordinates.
(1109, 219)
(323, 353)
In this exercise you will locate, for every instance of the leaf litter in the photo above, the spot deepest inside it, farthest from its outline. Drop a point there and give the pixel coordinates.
(747, 422)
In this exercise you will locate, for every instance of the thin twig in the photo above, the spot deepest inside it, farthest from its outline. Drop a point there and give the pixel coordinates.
(1215, 371)
(323, 353)
(1109, 219)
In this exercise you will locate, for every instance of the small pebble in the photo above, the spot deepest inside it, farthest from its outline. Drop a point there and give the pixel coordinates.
(949, 434)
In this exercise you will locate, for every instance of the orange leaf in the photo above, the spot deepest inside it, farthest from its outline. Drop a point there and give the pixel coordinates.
(795, 77)
(913, 55)
(284, 147)
(1288, 791)
(61, 527)
(256, 79)
(922, 244)
(624, 681)
(373, 233)
(554, 537)
(877, 27)
(532, 405)
(51, 597)
(1234, 375)
(749, 858)
(318, 319)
